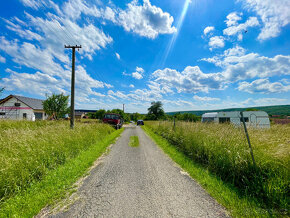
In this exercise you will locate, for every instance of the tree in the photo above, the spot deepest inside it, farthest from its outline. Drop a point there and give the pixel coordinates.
(1, 89)
(99, 114)
(56, 106)
(121, 113)
(155, 111)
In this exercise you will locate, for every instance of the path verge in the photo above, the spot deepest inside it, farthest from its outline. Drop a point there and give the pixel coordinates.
(224, 193)
(56, 184)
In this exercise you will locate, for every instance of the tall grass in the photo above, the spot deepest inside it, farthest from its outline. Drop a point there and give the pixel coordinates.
(29, 150)
(222, 149)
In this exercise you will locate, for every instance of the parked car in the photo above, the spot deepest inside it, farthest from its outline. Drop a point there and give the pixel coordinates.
(114, 119)
(140, 122)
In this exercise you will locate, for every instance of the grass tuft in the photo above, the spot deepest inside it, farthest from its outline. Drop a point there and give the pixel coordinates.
(134, 141)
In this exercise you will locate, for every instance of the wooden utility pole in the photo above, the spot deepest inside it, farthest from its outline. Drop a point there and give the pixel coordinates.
(72, 101)
(248, 138)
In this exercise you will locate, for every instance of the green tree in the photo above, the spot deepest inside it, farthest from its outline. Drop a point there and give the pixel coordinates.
(99, 114)
(155, 111)
(56, 106)
(125, 116)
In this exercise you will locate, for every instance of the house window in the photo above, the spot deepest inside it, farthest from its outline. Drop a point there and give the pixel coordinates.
(17, 104)
(246, 119)
(224, 120)
(38, 116)
(2, 113)
(25, 116)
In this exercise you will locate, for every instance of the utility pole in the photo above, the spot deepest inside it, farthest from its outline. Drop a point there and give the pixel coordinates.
(72, 101)
(123, 107)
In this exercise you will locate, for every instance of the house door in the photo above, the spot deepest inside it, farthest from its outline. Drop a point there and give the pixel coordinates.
(253, 119)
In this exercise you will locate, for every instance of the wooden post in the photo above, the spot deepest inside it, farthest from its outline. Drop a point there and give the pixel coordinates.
(248, 138)
(174, 122)
(72, 102)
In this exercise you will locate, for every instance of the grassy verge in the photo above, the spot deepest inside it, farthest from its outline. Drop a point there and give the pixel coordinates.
(134, 141)
(225, 193)
(56, 183)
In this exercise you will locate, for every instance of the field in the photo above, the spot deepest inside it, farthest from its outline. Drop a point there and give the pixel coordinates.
(31, 150)
(222, 149)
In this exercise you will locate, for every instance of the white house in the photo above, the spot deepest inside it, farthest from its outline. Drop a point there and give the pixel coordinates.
(252, 118)
(16, 107)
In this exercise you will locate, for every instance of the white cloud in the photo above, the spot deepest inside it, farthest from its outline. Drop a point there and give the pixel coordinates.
(74, 8)
(273, 13)
(145, 20)
(267, 101)
(50, 76)
(137, 75)
(216, 42)
(263, 86)
(31, 56)
(198, 98)
(240, 66)
(24, 33)
(190, 80)
(208, 30)
(233, 18)
(117, 94)
(131, 86)
(237, 29)
(39, 83)
(117, 56)
(2, 59)
(58, 29)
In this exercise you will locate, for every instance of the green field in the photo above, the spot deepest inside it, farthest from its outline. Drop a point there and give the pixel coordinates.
(39, 161)
(282, 110)
(222, 150)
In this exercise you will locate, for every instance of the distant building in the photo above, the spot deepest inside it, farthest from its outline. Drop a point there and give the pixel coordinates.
(17, 107)
(252, 118)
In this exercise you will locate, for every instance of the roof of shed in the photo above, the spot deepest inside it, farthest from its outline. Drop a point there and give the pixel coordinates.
(34, 103)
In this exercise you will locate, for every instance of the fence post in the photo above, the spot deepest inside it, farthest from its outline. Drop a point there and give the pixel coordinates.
(248, 138)
(174, 122)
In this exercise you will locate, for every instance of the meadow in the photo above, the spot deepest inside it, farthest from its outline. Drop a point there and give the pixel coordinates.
(30, 150)
(222, 150)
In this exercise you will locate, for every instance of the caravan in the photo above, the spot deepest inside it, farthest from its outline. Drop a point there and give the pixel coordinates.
(258, 119)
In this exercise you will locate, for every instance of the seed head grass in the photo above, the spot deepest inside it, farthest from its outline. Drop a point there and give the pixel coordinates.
(223, 150)
(29, 150)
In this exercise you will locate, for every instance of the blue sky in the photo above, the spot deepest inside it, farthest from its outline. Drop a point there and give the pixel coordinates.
(189, 54)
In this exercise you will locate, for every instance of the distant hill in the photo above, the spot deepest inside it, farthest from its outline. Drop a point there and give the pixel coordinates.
(271, 110)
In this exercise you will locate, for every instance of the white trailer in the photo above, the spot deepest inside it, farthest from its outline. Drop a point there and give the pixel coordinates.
(259, 119)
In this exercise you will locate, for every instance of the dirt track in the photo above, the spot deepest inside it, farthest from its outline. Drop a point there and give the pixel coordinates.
(140, 182)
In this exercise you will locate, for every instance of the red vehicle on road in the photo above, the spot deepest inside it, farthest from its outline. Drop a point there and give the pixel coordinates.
(114, 119)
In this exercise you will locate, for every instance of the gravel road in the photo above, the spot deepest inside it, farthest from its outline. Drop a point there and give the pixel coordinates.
(140, 182)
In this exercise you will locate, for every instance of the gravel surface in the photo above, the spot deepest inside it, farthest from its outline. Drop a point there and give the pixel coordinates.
(140, 182)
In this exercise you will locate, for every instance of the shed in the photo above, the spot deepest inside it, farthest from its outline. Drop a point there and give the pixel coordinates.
(17, 107)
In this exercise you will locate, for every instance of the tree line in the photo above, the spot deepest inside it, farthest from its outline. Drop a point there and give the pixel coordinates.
(56, 106)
